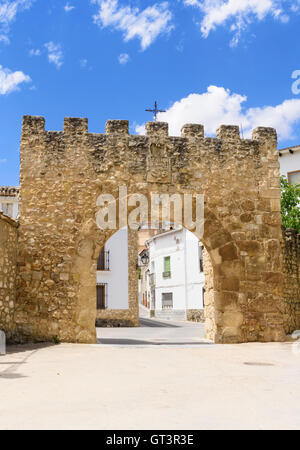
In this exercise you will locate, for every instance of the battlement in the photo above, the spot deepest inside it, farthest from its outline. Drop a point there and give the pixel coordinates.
(9, 191)
(35, 125)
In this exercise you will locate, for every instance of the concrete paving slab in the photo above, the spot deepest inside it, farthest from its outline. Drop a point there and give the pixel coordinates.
(248, 386)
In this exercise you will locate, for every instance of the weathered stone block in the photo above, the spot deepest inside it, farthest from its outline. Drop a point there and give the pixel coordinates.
(194, 131)
(228, 252)
(250, 247)
(225, 132)
(157, 129)
(117, 127)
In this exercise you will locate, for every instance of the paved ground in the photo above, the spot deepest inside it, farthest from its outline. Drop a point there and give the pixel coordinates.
(154, 332)
(167, 386)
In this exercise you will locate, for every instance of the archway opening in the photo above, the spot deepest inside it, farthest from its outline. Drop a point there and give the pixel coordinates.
(223, 311)
(150, 284)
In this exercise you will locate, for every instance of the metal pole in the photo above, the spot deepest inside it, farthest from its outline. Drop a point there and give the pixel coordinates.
(2, 343)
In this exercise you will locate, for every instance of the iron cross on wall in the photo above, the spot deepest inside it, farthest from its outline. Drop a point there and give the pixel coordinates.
(155, 111)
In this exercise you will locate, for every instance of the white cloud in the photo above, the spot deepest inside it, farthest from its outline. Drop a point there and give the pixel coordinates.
(55, 54)
(8, 12)
(35, 52)
(145, 25)
(124, 58)
(68, 7)
(10, 81)
(83, 63)
(239, 13)
(219, 106)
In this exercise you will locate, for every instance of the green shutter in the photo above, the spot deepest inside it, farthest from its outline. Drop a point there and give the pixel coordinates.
(168, 264)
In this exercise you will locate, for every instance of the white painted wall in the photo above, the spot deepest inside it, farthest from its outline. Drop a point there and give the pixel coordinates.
(289, 162)
(186, 282)
(195, 278)
(14, 206)
(117, 277)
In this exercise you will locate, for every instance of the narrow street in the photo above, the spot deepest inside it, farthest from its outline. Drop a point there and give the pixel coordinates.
(154, 332)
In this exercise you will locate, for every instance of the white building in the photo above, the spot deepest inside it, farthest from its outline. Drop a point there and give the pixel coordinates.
(289, 159)
(176, 278)
(112, 273)
(9, 201)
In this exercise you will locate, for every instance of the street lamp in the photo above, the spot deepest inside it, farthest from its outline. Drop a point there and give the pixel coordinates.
(145, 259)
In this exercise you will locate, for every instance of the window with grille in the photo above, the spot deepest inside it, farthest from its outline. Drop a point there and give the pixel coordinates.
(294, 177)
(167, 267)
(167, 300)
(103, 260)
(101, 296)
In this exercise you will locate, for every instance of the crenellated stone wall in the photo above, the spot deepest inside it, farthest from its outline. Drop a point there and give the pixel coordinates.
(62, 175)
(291, 255)
(8, 272)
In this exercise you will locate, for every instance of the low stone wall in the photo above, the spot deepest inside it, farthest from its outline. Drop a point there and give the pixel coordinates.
(196, 315)
(8, 273)
(116, 318)
(175, 315)
(291, 256)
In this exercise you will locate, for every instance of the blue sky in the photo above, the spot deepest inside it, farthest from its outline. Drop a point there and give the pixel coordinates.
(209, 61)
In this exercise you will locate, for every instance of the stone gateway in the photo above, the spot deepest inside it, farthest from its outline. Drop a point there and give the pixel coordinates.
(63, 174)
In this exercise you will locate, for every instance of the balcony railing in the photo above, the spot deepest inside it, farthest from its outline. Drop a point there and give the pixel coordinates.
(167, 274)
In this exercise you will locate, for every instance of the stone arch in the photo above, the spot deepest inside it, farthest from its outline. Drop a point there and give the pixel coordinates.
(62, 173)
(224, 315)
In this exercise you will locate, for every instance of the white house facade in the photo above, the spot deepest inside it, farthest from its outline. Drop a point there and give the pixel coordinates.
(112, 273)
(289, 159)
(175, 276)
(9, 201)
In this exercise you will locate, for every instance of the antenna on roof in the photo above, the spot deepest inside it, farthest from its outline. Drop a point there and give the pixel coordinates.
(242, 131)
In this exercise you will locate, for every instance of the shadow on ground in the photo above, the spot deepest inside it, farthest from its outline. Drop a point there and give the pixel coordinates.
(10, 372)
(27, 347)
(118, 341)
(155, 324)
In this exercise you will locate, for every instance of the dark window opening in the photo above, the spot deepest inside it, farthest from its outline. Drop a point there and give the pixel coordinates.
(167, 300)
(201, 248)
(101, 296)
(103, 260)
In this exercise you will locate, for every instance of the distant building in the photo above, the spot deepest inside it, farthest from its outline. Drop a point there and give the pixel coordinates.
(112, 273)
(173, 282)
(289, 159)
(9, 201)
(117, 281)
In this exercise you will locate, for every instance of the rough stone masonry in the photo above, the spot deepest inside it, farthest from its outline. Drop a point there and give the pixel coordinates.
(62, 175)
(291, 255)
(8, 273)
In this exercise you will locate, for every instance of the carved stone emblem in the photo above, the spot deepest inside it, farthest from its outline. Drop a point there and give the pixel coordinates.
(158, 164)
